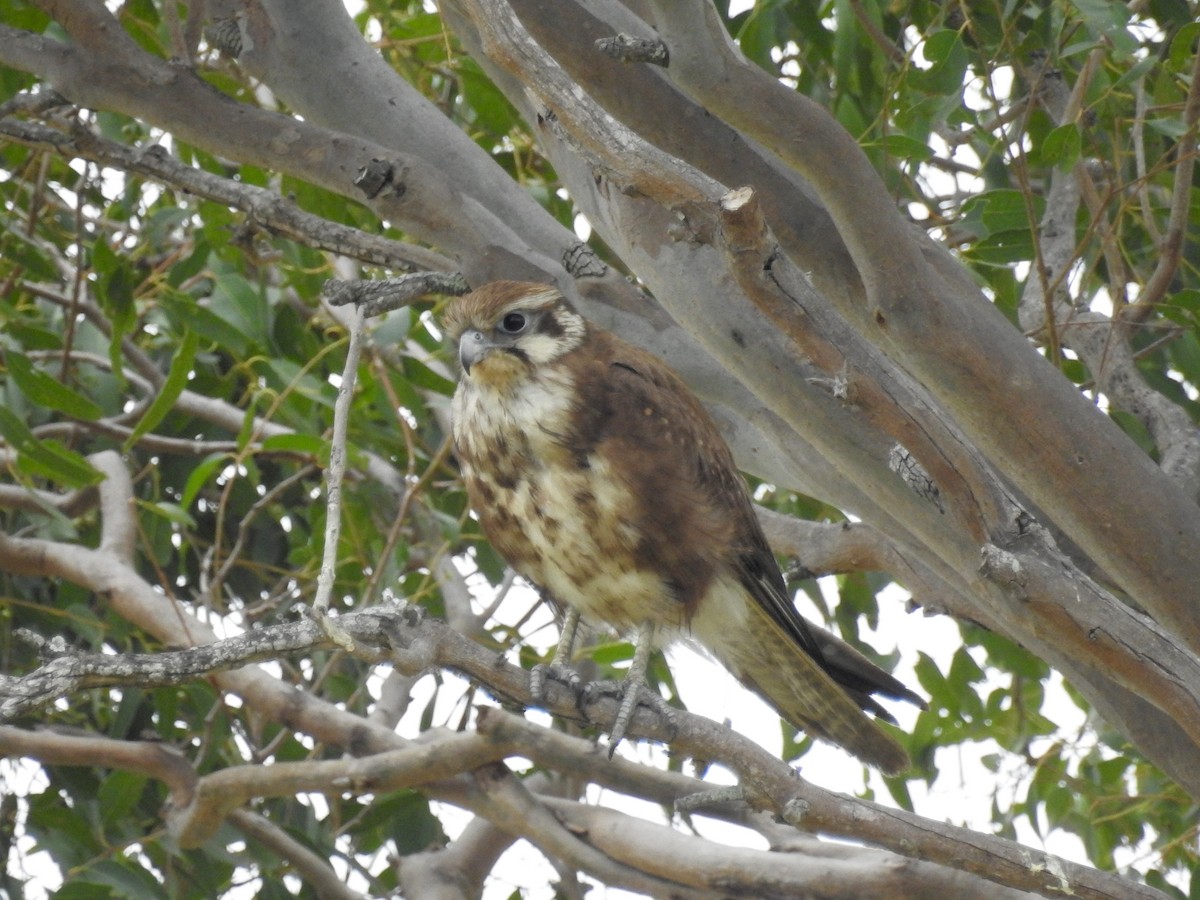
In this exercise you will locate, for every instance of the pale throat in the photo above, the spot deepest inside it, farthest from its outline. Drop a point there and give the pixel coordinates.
(535, 408)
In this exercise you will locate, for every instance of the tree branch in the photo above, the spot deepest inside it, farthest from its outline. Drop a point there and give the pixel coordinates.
(414, 643)
(509, 805)
(811, 808)
(116, 507)
(1056, 611)
(72, 672)
(1171, 245)
(988, 377)
(383, 295)
(737, 871)
(458, 871)
(708, 65)
(1101, 343)
(316, 871)
(435, 757)
(265, 208)
(661, 218)
(107, 70)
(53, 748)
(334, 473)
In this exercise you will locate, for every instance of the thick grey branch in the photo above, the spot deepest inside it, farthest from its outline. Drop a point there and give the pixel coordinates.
(509, 804)
(859, 872)
(811, 808)
(116, 506)
(1010, 401)
(71, 504)
(458, 871)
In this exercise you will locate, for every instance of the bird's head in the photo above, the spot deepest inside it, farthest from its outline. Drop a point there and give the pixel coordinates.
(506, 329)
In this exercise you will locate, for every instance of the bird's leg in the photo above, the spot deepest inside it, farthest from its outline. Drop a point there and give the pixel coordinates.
(635, 680)
(560, 665)
(566, 641)
(633, 689)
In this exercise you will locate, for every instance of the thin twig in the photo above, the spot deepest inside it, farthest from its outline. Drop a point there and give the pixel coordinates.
(1170, 248)
(316, 871)
(337, 468)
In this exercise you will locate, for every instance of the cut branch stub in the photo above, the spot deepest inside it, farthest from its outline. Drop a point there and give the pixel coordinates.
(628, 48)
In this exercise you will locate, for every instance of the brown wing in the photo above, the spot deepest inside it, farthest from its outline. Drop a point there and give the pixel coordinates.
(695, 507)
(643, 423)
(642, 416)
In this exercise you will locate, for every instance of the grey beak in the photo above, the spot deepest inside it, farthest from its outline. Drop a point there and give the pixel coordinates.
(472, 347)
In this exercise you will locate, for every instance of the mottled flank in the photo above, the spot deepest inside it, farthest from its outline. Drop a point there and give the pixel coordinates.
(600, 477)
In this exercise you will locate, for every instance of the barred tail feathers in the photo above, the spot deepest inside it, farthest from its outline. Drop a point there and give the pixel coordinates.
(744, 637)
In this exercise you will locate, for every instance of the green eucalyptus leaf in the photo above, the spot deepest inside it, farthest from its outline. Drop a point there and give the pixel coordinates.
(174, 384)
(44, 390)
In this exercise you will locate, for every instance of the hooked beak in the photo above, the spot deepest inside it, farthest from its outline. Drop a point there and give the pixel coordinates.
(472, 347)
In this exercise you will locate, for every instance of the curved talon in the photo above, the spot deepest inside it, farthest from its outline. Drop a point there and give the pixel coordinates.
(632, 690)
(631, 693)
(629, 702)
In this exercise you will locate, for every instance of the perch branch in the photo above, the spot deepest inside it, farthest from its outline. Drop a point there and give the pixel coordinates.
(812, 808)
(413, 642)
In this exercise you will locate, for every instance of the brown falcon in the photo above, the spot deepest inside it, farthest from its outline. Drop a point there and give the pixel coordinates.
(599, 477)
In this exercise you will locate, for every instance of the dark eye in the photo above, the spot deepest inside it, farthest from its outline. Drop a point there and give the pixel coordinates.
(514, 323)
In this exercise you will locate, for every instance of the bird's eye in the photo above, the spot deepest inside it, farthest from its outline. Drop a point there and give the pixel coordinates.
(514, 323)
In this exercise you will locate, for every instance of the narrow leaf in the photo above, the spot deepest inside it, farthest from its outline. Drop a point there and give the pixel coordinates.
(176, 381)
(306, 444)
(200, 476)
(45, 459)
(43, 390)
